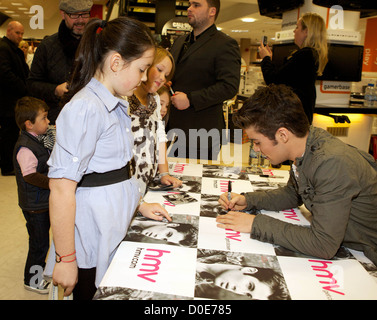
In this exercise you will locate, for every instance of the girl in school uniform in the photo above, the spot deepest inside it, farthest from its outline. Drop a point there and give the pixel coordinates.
(93, 195)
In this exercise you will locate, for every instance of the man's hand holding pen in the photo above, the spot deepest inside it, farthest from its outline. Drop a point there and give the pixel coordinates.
(178, 99)
(236, 202)
(235, 220)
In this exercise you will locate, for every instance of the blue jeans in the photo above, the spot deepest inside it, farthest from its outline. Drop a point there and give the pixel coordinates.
(38, 226)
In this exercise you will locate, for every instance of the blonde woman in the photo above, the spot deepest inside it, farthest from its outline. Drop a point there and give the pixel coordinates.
(24, 46)
(301, 69)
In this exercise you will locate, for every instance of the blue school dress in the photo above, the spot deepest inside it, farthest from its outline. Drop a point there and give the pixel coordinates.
(93, 134)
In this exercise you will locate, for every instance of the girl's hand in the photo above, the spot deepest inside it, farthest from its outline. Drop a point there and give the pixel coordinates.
(169, 180)
(65, 274)
(154, 211)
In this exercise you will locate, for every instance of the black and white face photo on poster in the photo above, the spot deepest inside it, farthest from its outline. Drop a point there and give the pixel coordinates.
(238, 276)
(121, 293)
(235, 173)
(190, 184)
(182, 231)
(210, 207)
(178, 198)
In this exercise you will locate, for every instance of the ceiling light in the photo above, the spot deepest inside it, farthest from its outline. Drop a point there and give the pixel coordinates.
(239, 30)
(16, 4)
(248, 20)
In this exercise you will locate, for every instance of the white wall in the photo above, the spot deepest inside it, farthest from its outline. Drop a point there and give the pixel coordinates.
(50, 27)
(359, 132)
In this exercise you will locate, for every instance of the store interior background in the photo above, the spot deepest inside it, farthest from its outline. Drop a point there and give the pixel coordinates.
(231, 20)
(13, 236)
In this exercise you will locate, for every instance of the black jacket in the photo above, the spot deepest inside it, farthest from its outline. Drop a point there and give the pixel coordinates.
(299, 72)
(13, 74)
(52, 66)
(209, 73)
(31, 198)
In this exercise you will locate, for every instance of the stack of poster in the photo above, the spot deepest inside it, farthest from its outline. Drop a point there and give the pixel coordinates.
(191, 258)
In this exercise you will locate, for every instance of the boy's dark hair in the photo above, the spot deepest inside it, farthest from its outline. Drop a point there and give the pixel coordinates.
(271, 108)
(216, 4)
(27, 108)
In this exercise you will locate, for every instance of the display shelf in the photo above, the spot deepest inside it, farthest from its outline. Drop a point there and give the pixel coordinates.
(326, 109)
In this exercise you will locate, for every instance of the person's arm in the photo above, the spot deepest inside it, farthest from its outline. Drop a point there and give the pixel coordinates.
(295, 69)
(163, 169)
(322, 239)
(163, 165)
(226, 80)
(237, 201)
(62, 217)
(275, 199)
(334, 187)
(37, 179)
(154, 211)
(10, 82)
(28, 164)
(38, 83)
(237, 221)
(264, 51)
(272, 200)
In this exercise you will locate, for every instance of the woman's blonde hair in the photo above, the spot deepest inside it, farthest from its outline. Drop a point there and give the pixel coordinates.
(22, 42)
(317, 37)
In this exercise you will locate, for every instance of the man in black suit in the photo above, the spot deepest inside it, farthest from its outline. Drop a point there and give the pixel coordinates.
(207, 73)
(13, 74)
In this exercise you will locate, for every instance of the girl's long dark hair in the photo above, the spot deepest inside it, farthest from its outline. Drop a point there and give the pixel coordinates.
(128, 37)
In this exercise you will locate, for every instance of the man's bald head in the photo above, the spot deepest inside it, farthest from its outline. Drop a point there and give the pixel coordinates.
(15, 32)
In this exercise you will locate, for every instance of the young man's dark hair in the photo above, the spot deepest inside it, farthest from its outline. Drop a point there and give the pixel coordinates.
(271, 108)
(216, 4)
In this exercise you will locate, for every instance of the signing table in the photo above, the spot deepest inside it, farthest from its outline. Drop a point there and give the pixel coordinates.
(191, 258)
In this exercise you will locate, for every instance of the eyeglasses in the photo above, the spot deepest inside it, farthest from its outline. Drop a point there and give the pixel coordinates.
(84, 15)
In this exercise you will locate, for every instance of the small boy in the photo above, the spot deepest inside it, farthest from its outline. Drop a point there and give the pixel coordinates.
(30, 161)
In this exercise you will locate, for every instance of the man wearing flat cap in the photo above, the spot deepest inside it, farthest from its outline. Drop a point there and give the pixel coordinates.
(53, 61)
